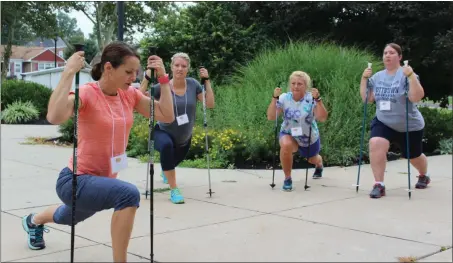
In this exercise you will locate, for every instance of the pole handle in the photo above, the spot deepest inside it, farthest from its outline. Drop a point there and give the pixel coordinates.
(203, 80)
(78, 47)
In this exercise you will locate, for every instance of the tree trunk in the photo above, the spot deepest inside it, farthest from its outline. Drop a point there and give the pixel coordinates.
(8, 50)
(99, 8)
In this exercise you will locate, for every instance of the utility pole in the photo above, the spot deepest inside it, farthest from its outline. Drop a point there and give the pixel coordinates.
(120, 9)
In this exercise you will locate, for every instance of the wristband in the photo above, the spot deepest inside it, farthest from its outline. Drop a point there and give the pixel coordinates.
(163, 79)
(318, 99)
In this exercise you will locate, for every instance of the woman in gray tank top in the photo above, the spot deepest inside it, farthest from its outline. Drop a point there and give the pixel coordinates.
(388, 89)
(172, 140)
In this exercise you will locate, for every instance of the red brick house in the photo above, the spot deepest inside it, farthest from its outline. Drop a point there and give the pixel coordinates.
(29, 59)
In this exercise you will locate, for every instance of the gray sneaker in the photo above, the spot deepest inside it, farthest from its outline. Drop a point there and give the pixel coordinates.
(378, 191)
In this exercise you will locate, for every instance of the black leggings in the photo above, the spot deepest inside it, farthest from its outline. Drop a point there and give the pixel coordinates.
(170, 154)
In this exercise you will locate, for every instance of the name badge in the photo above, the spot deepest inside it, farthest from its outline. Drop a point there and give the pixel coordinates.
(297, 131)
(182, 119)
(118, 163)
(384, 105)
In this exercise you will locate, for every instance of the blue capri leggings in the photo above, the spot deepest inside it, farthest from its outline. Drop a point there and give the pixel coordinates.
(94, 194)
(170, 154)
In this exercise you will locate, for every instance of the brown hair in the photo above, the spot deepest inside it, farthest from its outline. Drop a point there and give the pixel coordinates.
(395, 47)
(115, 53)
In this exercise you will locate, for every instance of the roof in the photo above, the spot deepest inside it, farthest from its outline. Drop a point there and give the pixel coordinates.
(52, 70)
(25, 53)
(21, 52)
(46, 43)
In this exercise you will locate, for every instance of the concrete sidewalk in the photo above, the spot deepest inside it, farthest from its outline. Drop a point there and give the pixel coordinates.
(245, 220)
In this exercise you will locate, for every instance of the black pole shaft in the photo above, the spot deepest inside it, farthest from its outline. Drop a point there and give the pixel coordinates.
(78, 47)
(120, 5)
(56, 39)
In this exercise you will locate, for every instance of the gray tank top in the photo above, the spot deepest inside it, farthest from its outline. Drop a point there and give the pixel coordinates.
(185, 104)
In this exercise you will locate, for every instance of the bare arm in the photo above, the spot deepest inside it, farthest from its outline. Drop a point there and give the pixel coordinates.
(272, 114)
(416, 91)
(363, 87)
(163, 109)
(320, 111)
(210, 102)
(61, 105)
(144, 85)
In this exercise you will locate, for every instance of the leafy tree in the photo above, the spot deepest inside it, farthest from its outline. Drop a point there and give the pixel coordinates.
(67, 28)
(91, 48)
(37, 16)
(423, 29)
(210, 34)
(104, 17)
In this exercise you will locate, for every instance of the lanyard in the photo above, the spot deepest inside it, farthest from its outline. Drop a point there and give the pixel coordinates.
(113, 120)
(174, 96)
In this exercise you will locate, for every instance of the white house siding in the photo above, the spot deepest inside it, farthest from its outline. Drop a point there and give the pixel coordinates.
(51, 77)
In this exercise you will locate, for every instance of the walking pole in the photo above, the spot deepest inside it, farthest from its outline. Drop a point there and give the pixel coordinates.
(409, 191)
(309, 138)
(363, 132)
(152, 51)
(205, 124)
(78, 47)
(275, 143)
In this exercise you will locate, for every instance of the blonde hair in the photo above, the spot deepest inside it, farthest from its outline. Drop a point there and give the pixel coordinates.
(183, 56)
(302, 75)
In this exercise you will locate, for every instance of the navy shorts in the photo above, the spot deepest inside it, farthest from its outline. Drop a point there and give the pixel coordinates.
(94, 194)
(379, 129)
(303, 151)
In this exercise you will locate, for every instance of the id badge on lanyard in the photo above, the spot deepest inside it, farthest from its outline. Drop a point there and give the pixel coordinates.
(183, 118)
(119, 162)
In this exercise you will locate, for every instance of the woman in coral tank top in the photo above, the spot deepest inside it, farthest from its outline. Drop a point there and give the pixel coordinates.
(105, 119)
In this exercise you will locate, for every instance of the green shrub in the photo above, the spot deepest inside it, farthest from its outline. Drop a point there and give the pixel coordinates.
(446, 146)
(437, 127)
(67, 130)
(13, 90)
(20, 112)
(337, 71)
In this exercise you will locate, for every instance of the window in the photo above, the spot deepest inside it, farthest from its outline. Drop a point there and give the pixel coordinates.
(18, 68)
(60, 53)
(42, 66)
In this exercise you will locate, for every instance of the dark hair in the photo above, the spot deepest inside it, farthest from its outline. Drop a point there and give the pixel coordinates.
(115, 53)
(395, 47)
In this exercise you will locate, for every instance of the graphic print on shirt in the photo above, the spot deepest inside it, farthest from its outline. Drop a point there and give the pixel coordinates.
(298, 115)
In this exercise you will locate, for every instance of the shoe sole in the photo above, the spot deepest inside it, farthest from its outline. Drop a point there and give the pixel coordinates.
(25, 227)
(377, 197)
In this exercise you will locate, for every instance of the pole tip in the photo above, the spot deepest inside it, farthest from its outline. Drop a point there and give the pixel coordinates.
(369, 64)
(406, 62)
